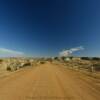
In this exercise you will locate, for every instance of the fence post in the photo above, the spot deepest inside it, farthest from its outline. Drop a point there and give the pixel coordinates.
(92, 68)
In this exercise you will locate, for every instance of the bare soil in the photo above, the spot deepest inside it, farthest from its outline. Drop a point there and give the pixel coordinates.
(49, 82)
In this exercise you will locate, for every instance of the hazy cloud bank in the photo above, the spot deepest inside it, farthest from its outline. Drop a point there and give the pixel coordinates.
(70, 51)
(8, 52)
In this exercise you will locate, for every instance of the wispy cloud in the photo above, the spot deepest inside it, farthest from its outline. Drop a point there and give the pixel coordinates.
(9, 52)
(70, 51)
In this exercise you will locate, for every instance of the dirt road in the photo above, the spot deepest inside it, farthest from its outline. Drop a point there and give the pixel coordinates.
(49, 82)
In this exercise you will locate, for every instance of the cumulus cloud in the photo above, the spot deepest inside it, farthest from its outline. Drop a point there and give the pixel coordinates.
(70, 51)
(9, 52)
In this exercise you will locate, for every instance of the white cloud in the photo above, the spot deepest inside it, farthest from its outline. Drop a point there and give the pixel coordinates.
(9, 52)
(70, 51)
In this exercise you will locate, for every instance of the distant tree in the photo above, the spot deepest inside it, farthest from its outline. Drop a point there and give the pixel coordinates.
(63, 58)
(71, 57)
(56, 58)
(95, 58)
(85, 58)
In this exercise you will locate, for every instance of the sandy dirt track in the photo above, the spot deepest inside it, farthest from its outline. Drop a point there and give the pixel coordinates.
(49, 82)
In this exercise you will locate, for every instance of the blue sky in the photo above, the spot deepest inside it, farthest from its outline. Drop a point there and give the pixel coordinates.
(45, 27)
